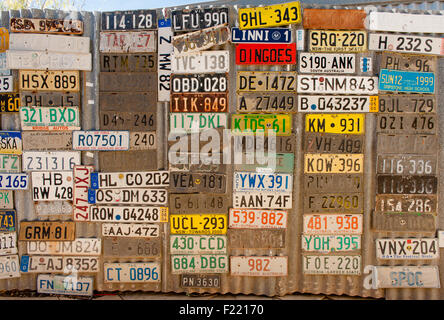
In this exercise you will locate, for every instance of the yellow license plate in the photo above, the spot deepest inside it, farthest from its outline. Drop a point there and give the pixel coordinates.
(270, 16)
(337, 41)
(49, 80)
(4, 39)
(333, 163)
(335, 123)
(198, 223)
(250, 124)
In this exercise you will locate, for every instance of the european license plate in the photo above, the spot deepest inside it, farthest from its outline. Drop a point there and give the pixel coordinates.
(46, 140)
(391, 184)
(406, 164)
(6, 199)
(270, 162)
(129, 20)
(53, 208)
(122, 120)
(132, 247)
(407, 248)
(199, 83)
(128, 214)
(418, 63)
(58, 264)
(270, 16)
(56, 284)
(199, 102)
(256, 239)
(9, 267)
(48, 99)
(14, 181)
(337, 84)
(81, 176)
(100, 140)
(403, 222)
(57, 26)
(78, 247)
(406, 203)
(9, 163)
(335, 123)
(194, 122)
(346, 104)
(331, 203)
(328, 264)
(262, 200)
(184, 182)
(268, 182)
(337, 41)
(407, 103)
(198, 223)
(344, 63)
(328, 223)
(333, 163)
(50, 160)
(266, 81)
(8, 220)
(402, 143)
(250, 124)
(128, 42)
(199, 263)
(118, 180)
(196, 203)
(9, 102)
(257, 219)
(33, 80)
(202, 244)
(132, 230)
(123, 84)
(263, 102)
(333, 143)
(11, 142)
(8, 243)
(200, 281)
(261, 35)
(197, 19)
(406, 81)
(47, 230)
(405, 43)
(6, 84)
(52, 185)
(406, 277)
(49, 118)
(202, 62)
(256, 266)
(265, 54)
(128, 196)
(49, 42)
(128, 272)
(331, 243)
(43, 60)
(128, 62)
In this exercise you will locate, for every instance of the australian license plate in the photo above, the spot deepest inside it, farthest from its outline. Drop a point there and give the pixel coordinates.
(266, 102)
(418, 63)
(47, 230)
(14, 181)
(200, 280)
(9, 102)
(129, 20)
(118, 180)
(131, 272)
(128, 214)
(331, 203)
(406, 81)
(344, 63)
(406, 277)
(330, 243)
(337, 84)
(406, 203)
(332, 223)
(202, 62)
(58, 264)
(198, 223)
(407, 248)
(405, 43)
(57, 26)
(78, 247)
(131, 230)
(333, 143)
(197, 18)
(199, 102)
(8, 220)
(391, 184)
(185, 182)
(199, 263)
(128, 42)
(268, 182)
(197, 203)
(49, 118)
(262, 200)
(270, 16)
(193, 122)
(57, 284)
(250, 124)
(346, 104)
(261, 35)
(50, 160)
(257, 266)
(128, 196)
(257, 219)
(49, 80)
(266, 81)
(198, 244)
(9, 267)
(8, 243)
(407, 164)
(333, 163)
(11, 142)
(335, 123)
(337, 41)
(52, 185)
(100, 140)
(407, 103)
(265, 54)
(329, 264)
(199, 83)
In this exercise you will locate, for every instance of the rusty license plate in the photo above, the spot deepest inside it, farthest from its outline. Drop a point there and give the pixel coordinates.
(128, 101)
(407, 164)
(49, 99)
(255, 238)
(406, 123)
(128, 82)
(400, 143)
(198, 203)
(390, 184)
(330, 183)
(404, 203)
(53, 26)
(199, 102)
(332, 203)
(333, 143)
(128, 62)
(279, 144)
(184, 182)
(407, 103)
(137, 160)
(122, 120)
(403, 222)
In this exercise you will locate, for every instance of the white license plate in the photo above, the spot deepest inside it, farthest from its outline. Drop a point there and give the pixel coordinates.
(262, 200)
(78, 247)
(9, 267)
(100, 140)
(405, 43)
(6, 199)
(14, 181)
(8, 243)
(58, 264)
(4, 71)
(164, 56)
(51, 185)
(69, 285)
(50, 160)
(202, 62)
(132, 272)
(405, 277)
(6, 84)
(344, 63)
(133, 230)
(42, 60)
(128, 196)
(128, 214)
(269, 182)
(407, 248)
(333, 223)
(405, 22)
(9, 163)
(80, 203)
(127, 42)
(330, 243)
(193, 122)
(337, 84)
(199, 263)
(49, 118)
(328, 264)
(259, 266)
(257, 219)
(48, 208)
(198, 244)
(116, 180)
(346, 104)
(49, 43)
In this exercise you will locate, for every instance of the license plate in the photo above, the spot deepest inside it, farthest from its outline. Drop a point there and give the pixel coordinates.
(273, 144)
(4, 71)
(8, 243)
(49, 80)
(49, 43)
(333, 163)
(202, 62)
(128, 42)
(81, 175)
(45, 140)
(129, 20)
(9, 267)
(257, 219)
(6, 199)
(268, 182)
(346, 104)
(197, 41)
(197, 19)
(118, 180)
(333, 224)
(143, 140)
(116, 161)
(335, 123)
(333, 143)
(256, 239)
(131, 272)
(199, 102)
(332, 84)
(184, 182)
(331, 264)
(58, 264)
(418, 63)
(406, 203)
(47, 230)
(132, 247)
(406, 277)
(51, 185)
(331, 203)
(100, 140)
(265, 54)
(132, 230)
(134, 82)
(270, 162)
(53, 208)
(198, 223)
(49, 99)
(127, 196)
(14, 181)
(42, 60)
(199, 83)
(204, 244)
(330, 243)
(128, 214)
(406, 164)
(388, 184)
(401, 143)
(9, 102)
(57, 26)
(121, 120)
(404, 22)
(196, 162)
(324, 183)
(193, 122)
(55, 284)
(49, 118)
(9, 163)
(266, 81)
(262, 35)
(407, 103)
(4, 39)
(406, 81)
(6, 84)
(250, 124)
(270, 16)
(407, 248)
(195, 203)
(50, 160)
(262, 102)
(337, 41)
(262, 200)
(8, 220)
(199, 281)
(254, 266)
(344, 63)
(78, 247)
(125, 62)
(405, 43)
(199, 263)
(403, 222)
(164, 54)
(11, 142)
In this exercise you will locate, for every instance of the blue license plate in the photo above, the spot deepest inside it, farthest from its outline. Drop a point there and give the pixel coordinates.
(406, 81)
(7, 220)
(13, 181)
(265, 35)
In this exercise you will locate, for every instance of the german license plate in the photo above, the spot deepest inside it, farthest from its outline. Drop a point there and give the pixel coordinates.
(335, 123)
(331, 203)
(53, 208)
(257, 219)
(58, 264)
(388, 184)
(43, 60)
(406, 277)
(132, 230)
(262, 200)
(128, 196)
(268, 182)
(198, 223)
(199, 102)
(262, 35)
(406, 203)
(131, 272)
(47, 230)
(197, 19)
(401, 143)
(100, 140)
(49, 42)
(127, 62)
(143, 140)
(137, 102)
(330, 243)
(274, 144)
(265, 54)
(7, 220)
(46, 140)
(407, 248)
(333, 143)
(337, 84)
(128, 42)
(266, 81)
(331, 264)
(14, 181)
(81, 176)
(9, 163)
(347, 104)
(128, 214)
(184, 182)
(270, 162)
(202, 244)
(9, 102)
(337, 41)
(418, 63)
(49, 80)
(50, 160)
(256, 239)
(199, 281)
(256, 266)
(405, 43)
(78, 247)
(406, 81)
(344, 63)
(57, 26)
(49, 99)
(51, 185)
(129, 20)
(132, 247)
(202, 62)
(116, 82)
(118, 180)
(197, 203)
(199, 83)
(263, 102)
(407, 103)
(56, 284)
(135, 160)
(8, 243)
(406, 164)
(9, 267)
(11, 142)
(199, 263)
(6, 199)
(193, 122)
(333, 163)
(333, 223)
(6, 84)
(122, 120)
(250, 124)
(270, 16)
(403, 222)
(49, 118)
